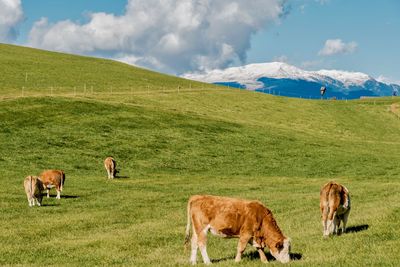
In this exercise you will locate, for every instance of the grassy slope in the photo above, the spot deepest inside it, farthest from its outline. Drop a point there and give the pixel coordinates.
(170, 145)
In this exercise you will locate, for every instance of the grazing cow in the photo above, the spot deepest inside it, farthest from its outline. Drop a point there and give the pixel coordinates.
(335, 207)
(250, 221)
(53, 178)
(33, 189)
(110, 165)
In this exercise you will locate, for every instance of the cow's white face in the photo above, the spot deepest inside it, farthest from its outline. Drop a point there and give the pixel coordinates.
(282, 251)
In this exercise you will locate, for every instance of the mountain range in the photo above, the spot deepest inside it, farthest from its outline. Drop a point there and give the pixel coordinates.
(283, 79)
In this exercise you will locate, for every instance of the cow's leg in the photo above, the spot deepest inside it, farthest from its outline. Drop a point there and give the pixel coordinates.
(58, 193)
(193, 256)
(48, 192)
(112, 173)
(325, 212)
(336, 224)
(325, 226)
(263, 258)
(243, 240)
(202, 242)
(29, 199)
(345, 217)
(331, 223)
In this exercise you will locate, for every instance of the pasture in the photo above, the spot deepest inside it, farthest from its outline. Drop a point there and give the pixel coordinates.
(170, 145)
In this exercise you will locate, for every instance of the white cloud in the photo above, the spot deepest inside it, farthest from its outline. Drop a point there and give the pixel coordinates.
(322, 2)
(10, 15)
(172, 36)
(282, 58)
(311, 63)
(337, 46)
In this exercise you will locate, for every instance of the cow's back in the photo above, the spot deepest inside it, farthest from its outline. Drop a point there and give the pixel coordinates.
(28, 185)
(33, 185)
(53, 177)
(333, 195)
(225, 214)
(109, 163)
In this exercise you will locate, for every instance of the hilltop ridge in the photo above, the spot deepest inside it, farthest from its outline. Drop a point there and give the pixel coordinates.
(293, 81)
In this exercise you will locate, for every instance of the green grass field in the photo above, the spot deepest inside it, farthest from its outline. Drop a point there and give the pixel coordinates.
(173, 138)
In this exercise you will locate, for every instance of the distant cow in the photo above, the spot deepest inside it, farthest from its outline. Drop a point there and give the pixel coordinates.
(335, 207)
(33, 189)
(53, 178)
(250, 221)
(110, 165)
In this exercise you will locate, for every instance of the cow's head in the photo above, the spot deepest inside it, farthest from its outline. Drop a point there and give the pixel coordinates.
(281, 250)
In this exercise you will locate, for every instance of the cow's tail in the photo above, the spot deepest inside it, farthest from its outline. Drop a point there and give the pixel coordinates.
(346, 197)
(62, 180)
(31, 193)
(187, 232)
(325, 198)
(328, 192)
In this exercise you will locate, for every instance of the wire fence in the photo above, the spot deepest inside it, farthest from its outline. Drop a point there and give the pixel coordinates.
(151, 90)
(103, 91)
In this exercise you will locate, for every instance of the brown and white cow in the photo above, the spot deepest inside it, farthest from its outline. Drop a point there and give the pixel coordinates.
(33, 189)
(335, 207)
(53, 178)
(250, 221)
(110, 165)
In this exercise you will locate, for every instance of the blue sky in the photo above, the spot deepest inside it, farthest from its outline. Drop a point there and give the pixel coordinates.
(178, 36)
(374, 25)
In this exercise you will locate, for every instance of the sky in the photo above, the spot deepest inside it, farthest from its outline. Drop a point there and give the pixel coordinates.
(183, 36)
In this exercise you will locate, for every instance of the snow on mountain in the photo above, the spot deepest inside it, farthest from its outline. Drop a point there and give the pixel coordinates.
(249, 74)
(288, 78)
(347, 78)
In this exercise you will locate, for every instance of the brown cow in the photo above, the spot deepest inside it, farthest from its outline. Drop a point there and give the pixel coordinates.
(335, 207)
(110, 165)
(250, 221)
(33, 189)
(53, 178)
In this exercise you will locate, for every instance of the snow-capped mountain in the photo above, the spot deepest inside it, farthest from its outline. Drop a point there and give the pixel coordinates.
(284, 79)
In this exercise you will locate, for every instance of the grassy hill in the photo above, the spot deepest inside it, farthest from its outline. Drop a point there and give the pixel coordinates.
(173, 138)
